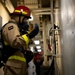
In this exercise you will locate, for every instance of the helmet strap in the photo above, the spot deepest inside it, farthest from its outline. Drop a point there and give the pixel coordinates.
(20, 18)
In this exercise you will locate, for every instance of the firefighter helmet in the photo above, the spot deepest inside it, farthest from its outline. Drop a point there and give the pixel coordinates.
(22, 10)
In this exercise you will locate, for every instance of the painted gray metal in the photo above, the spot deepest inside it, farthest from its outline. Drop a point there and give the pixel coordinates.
(68, 36)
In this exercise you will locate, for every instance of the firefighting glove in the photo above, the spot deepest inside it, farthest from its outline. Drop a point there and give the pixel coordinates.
(1, 65)
(29, 56)
(34, 32)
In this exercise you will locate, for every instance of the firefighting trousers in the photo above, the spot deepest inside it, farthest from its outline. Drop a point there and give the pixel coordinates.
(15, 67)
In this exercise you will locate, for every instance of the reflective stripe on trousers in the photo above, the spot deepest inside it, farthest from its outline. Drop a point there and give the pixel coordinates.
(17, 58)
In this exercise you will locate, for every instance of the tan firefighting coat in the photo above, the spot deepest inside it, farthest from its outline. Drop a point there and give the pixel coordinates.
(13, 37)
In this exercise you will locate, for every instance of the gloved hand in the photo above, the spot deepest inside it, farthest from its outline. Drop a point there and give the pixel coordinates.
(29, 56)
(1, 65)
(34, 32)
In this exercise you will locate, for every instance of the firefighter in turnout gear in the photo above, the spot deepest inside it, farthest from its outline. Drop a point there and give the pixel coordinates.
(16, 38)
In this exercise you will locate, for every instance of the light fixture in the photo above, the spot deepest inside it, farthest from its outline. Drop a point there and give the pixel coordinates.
(37, 42)
(31, 19)
(38, 47)
(39, 50)
(9, 6)
(32, 49)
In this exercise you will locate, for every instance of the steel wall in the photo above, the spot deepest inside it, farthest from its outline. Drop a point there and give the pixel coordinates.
(68, 36)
